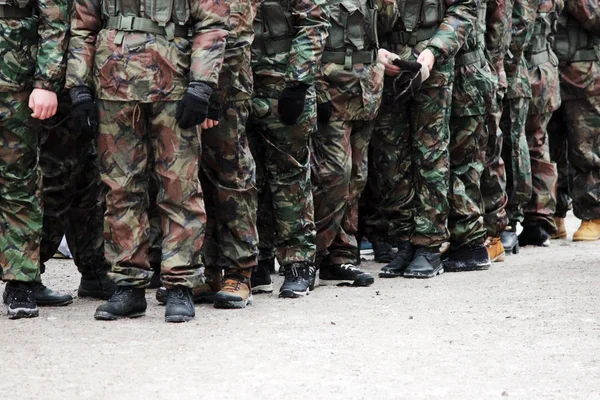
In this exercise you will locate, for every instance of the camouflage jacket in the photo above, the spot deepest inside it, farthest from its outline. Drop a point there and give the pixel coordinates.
(497, 37)
(544, 79)
(581, 79)
(142, 66)
(299, 64)
(515, 64)
(235, 80)
(355, 92)
(32, 49)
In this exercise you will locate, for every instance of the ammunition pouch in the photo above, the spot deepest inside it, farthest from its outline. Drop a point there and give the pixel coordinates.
(573, 43)
(469, 58)
(273, 29)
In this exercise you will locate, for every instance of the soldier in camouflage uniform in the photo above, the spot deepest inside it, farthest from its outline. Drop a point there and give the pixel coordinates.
(410, 141)
(73, 197)
(152, 70)
(349, 94)
(538, 223)
(32, 44)
(514, 117)
(472, 98)
(286, 53)
(578, 121)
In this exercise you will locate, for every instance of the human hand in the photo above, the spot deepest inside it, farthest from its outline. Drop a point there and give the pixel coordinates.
(43, 103)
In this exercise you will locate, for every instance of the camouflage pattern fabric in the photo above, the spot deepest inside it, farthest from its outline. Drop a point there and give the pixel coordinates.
(129, 132)
(72, 193)
(20, 204)
(147, 67)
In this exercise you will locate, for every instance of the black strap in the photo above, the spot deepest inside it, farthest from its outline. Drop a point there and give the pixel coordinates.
(12, 12)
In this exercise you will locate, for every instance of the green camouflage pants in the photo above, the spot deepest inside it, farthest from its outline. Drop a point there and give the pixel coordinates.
(72, 192)
(133, 136)
(20, 205)
(582, 130)
(557, 139)
(410, 169)
(540, 208)
(228, 177)
(284, 152)
(516, 153)
(339, 174)
(493, 178)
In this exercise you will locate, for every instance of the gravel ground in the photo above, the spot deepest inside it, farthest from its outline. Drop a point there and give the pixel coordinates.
(528, 328)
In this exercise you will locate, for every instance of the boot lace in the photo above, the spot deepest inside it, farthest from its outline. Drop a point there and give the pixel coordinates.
(119, 296)
(177, 296)
(22, 295)
(232, 283)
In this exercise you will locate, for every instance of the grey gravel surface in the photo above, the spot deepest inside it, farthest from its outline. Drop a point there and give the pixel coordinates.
(528, 328)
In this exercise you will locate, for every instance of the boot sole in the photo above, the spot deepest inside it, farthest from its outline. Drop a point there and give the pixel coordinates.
(105, 316)
(291, 294)
(231, 304)
(499, 258)
(419, 276)
(345, 282)
(262, 289)
(23, 313)
(558, 236)
(482, 267)
(178, 318)
(585, 239)
(391, 274)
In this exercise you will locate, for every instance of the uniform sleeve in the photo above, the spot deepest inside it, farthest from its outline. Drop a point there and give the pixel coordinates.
(210, 20)
(523, 20)
(497, 37)
(587, 12)
(85, 25)
(53, 29)
(311, 26)
(455, 28)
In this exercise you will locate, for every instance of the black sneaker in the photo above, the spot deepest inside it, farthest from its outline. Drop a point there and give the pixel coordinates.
(261, 278)
(127, 302)
(344, 275)
(179, 305)
(401, 261)
(48, 297)
(426, 263)
(98, 286)
(382, 252)
(20, 298)
(296, 280)
(534, 236)
(467, 258)
(510, 241)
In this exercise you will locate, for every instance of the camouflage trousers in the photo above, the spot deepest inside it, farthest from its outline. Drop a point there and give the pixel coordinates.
(72, 192)
(228, 176)
(557, 139)
(339, 175)
(408, 180)
(581, 119)
(134, 136)
(540, 208)
(493, 178)
(516, 152)
(20, 204)
(285, 188)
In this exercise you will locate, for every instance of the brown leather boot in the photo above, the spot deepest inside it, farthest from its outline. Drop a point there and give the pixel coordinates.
(236, 291)
(561, 229)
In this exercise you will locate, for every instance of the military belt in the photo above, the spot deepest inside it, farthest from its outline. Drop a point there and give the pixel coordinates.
(411, 38)
(538, 58)
(469, 58)
(12, 12)
(585, 55)
(138, 24)
(349, 57)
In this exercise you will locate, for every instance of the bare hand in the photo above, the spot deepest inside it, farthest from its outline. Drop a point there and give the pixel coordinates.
(386, 58)
(209, 123)
(43, 103)
(427, 58)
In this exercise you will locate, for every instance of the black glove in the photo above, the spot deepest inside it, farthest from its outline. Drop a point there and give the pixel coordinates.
(214, 112)
(324, 112)
(193, 108)
(83, 110)
(408, 82)
(291, 103)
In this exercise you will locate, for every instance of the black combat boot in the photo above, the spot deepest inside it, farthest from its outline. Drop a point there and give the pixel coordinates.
(179, 306)
(426, 263)
(204, 293)
(467, 258)
(97, 285)
(261, 277)
(127, 302)
(510, 241)
(344, 275)
(534, 236)
(296, 280)
(19, 296)
(401, 261)
(48, 297)
(382, 252)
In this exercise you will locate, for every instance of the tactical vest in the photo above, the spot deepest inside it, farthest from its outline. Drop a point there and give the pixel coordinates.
(353, 33)
(543, 33)
(475, 43)
(15, 9)
(573, 43)
(169, 18)
(420, 20)
(274, 28)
